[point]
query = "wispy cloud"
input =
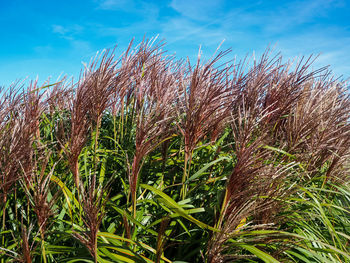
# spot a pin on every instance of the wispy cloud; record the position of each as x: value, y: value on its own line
x: 75, y: 36
x: 114, y: 4
x: 59, y: 29
x: 68, y: 31
x: 295, y: 27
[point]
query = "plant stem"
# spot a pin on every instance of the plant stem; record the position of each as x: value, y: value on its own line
x: 121, y: 123
x: 187, y: 167
x: 43, y: 246
x: 222, y: 210
x: 95, y: 256
x: 3, y: 225
x: 184, y: 176
x: 114, y: 132
x: 95, y: 151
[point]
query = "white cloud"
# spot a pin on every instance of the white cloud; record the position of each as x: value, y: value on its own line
x: 73, y: 34
x: 295, y: 26
x: 115, y: 4
x: 329, y: 44
x: 59, y: 29
x: 69, y: 31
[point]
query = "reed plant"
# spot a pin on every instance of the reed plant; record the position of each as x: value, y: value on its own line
x: 146, y: 158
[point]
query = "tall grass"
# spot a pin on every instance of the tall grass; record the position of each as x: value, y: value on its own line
x: 151, y: 159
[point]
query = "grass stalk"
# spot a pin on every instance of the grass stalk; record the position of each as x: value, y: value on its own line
x: 43, y: 251
x: 186, y: 173
x: 3, y: 226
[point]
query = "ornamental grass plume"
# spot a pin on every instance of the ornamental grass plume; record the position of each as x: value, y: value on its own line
x: 124, y: 74
x: 20, y: 127
x: 202, y: 104
x: 8, y: 127
x: 93, y: 203
x: 57, y: 96
x: 40, y: 189
x: 318, y: 128
x: 154, y: 97
x: 26, y: 149
x: 251, y: 177
x: 33, y: 106
x: 92, y: 96
x: 58, y: 99
x: 103, y: 88
x: 270, y: 97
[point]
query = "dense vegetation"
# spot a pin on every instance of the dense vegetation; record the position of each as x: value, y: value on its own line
x: 150, y: 159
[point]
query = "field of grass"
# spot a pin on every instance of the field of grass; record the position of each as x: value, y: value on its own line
x: 147, y: 158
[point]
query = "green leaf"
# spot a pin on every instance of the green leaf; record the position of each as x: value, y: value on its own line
x: 67, y: 193
x: 259, y: 253
x: 170, y: 203
x: 143, y: 245
x: 102, y: 171
x: 204, y: 168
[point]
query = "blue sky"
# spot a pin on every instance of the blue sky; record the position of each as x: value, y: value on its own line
x: 49, y: 38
